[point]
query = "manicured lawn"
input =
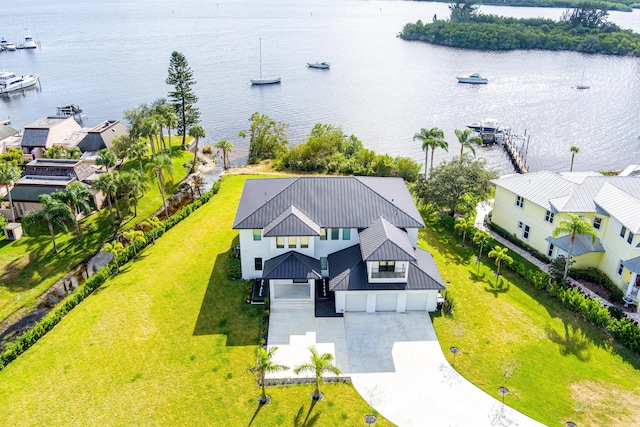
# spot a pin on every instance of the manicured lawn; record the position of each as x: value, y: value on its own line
x: 166, y: 342
x: 28, y: 266
x: 565, y: 368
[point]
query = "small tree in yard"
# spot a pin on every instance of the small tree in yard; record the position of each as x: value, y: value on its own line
x: 78, y: 197
x: 134, y: 236
x: 152, y: 223
x: 500, y: 254
x: 9, y: 173
x: 196, y: 132
x: 116, y: 248
x: 318, y: 365
x: 55, y: 213
x: 575, y: 226
x: 182, y: 97
x: 265, y: 365
x: 481, y: 238
x: 463, y: 225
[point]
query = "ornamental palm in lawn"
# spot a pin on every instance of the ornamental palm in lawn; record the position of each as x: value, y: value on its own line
x: 106, y: 158
x: 500, y: 254
x: 158, y: 168
x: 139, y: 151
x: 319, y: 364
x: 107, y: 184
x: 133, y: 237
x: 226, y: 147
x: 481, y: 238
x: 8, y: 174
x: 153, y: 223
x: 78, y: 197
x: 462, y: 226
x: 149, y: 129
x: 574, y: 150
x: 116, y: 248
x: 575, y: 226
x: 196, y: 132
x: 432, y: 138
x: 54, y: 212
x: 467, y: 140
x: 265, y: 365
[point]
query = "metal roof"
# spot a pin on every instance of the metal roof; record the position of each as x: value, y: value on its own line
x: 292, y: 265
x: 536, y: 187
x: 633, y: 264
x: 30, y: 193
x: 291, y: 222
x: 330, y: 202
x: 582, y: 245
x: 348, y: 272
x: 382, y: 241
x: 621, y: 205
x: 102, y: 135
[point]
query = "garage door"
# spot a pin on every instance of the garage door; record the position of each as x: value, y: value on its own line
x: 356, y: 302
x: 386, y: 302
x: 416, y: 302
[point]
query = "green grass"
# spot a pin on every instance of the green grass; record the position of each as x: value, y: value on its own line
x: 28, y: 266
x: 566, y: 368
x: 166, y: 342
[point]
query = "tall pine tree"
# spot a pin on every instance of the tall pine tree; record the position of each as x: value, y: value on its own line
x: 182, y: 96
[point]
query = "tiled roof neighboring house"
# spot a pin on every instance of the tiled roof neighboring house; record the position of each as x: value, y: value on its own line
x: 352, y: 202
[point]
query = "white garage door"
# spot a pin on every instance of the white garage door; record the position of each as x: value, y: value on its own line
x: 386, y: 302
x: 416, y: 302
x: 356, y: 302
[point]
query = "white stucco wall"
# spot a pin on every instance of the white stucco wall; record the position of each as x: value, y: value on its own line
x: 371, y: 297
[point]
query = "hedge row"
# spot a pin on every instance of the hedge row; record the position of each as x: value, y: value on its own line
x: 594, y: 275
x: 27, y: 339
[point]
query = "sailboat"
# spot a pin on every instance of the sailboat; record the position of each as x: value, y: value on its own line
x: 264, y: 80
x: 582, y: 85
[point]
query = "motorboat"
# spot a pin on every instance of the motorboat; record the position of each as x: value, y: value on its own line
x: 29, y: 42
x: 486, y: 126
x: 264, y: 80
x: 473, y: 78
x: 5, y: 45
x: 321, y: 65
x: 10, y: 82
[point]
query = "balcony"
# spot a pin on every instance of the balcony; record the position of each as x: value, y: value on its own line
x: 400, y: 273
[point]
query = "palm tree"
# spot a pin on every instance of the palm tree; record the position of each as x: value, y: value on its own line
x: 226, y: 147
x: 167, y: 117
x: 153, y: 223
x: 157, y: 168
x: 134, y: 236
x: 574, y: 150
x: 481, y: 238
x: 149, y: 129
x: 265, y: 365
x: 138, y: 150
x: 8, y: 174
x: 423, y: 136
x: 106, y: 158
x: 319, y: 364
x: 466, y: 139
x: 500, y: 254
x: 575, y: 226
x: 432, y: 138
x: 107, y: 184
x: 462, y: 226
x: 196, y: 132
x: 78, y: 197
x: 137, y: 185
x: 74, y: 153
x: 54, y: 212
x: 116, y: 248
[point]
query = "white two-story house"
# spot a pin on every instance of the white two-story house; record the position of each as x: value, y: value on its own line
x: 355, y: 235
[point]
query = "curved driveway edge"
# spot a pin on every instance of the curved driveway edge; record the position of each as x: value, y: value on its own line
x: 397, y: 365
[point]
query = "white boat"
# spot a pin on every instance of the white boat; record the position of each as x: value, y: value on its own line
x: 264, y: 80
x: 473, y: 78
x: 10, y: 82
x: 321, y: 65
x: 5, y: 45
x: 582, y: 85
x: 29, y: 42
x: 486, y: 126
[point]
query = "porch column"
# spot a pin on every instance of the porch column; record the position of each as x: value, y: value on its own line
x: 632, y: 283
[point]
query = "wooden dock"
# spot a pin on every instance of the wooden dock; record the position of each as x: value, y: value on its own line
x: 515, y: 155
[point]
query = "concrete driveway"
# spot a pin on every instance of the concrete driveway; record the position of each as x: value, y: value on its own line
x: 395, y: 362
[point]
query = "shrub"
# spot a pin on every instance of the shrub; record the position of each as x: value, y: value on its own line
x: 207, y: 149
x: 616, y: 312
x: 510, y: 237
x: 594, y: 275
x: 234, y: 267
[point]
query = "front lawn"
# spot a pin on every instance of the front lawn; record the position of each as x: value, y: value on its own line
x: 565, y: 369
x: 166, y: 342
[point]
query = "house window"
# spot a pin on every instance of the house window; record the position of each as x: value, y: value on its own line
x: 550, y: 251
x: 323, y: 234
x: 300, y: 281
x: 520, y: 225
x: 346, y: 234
x: 257, y: 234
x: 323, y: 263
x: 280, y: 242
x: 623, y: 231
x: 548, y: 217
x: 335, y: 233
x: 257, y: 262
x: 597, y: 223
x: 304, y: 242
x: 620, y: 268
x: 387, y: 266
x: 525, y: 232
x: 292, y: 241
x: 630, y: 237
x: 519, y: 201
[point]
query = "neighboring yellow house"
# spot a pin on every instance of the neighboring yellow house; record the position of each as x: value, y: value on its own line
x: 530, y: 206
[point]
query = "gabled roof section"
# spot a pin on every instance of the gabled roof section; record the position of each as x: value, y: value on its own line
x: 292, y: 265
x: 6, y: 131
x: 46, y: 131
x: 621, y: 205
x: 582, y: 245
x: 102, y: 135
x: 536, y: 187
x: 633, y: 264
x: 383, y: 241
x: 291, y: 222
x: 331, y: 202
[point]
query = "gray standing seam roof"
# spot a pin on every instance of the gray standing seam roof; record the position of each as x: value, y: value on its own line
x: 633, y: 264
x: 382, y: 241
x: 291, y: 222
x: 292, y: 265
x: 581, y: 246
x: 330, y: 202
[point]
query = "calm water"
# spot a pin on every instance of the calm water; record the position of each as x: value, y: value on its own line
x: 109, y: 56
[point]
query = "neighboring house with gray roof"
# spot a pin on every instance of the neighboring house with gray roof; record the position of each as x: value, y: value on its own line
x: 101, y: 136
x: 45, y: 133
x: 9, y: 137
x: 349, y: 238
x: 530, y: 206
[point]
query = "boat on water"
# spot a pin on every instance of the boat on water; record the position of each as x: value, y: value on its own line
x: 582, y: 85
x: 10, y: 82
x: 264, y: 80
x: 29, y: 42
x: 321, y: 65
x: 486, y: 126
x: 473, y: 78
x: 5, y: 45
